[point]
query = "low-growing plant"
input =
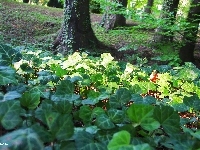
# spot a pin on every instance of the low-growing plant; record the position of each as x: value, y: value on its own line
x: 84, y: 102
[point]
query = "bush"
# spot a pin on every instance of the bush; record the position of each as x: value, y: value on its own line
x: 95, y: 7
x: 55, y: 3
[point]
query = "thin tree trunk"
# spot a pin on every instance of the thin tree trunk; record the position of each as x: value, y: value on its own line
x: 76, y: 32
x: 110, y: 21
x: 190, y: 34
x: 169, y: 11
x: 149, y: 6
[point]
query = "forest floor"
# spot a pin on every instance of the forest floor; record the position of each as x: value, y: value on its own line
x: 22, y: 24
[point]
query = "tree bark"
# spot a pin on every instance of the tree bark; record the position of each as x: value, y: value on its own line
x: 110, y: 21
x: 148, y: 7
x: 76, y: 32
x: 190, y: 34
x: 169, y: 11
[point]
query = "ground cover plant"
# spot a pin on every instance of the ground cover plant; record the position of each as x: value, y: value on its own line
x: 94, y: 102
x: 81, y: 101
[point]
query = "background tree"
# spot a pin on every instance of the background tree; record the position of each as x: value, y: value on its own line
x: 168, y: 15
x: 148, y: 7
x: 190, y: 33
x: 110, y: 20
x: 76, y: 31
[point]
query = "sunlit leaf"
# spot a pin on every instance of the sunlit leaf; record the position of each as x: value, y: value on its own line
x: 121, y: 138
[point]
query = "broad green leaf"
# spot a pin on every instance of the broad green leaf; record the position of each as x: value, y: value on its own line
x: 92, y: 129
x: 150, y: 124
x: 133, y: 147
x: 168, y: 118
x: 26, y: 67
x: 69, y: 145
x: 140, y: 112
x: 68, y: 97
x: 137, y: 98
x: 83, y: 138
x: 10, y: 114
x: 104, y: 136
x: 1, y: 96
x: 85, y: 113
x: 22, y: 139
x: 121, y: 138
x: 116, y: 116
x: 20, y: 88
x: 46, y: 76
x: 65, y: 87
x: 8, y: 55
x: 144, y: 146
x: 47, y: 116
x: 97, y: 111
x: 42, y: 132
x: 189, y: 72
x: 59, y: 71
x: 120, y: 98
x: 96, y: 77
x: 11, y: 95
x: 44, y: 93
x: 7, y: 75
x: 93, y: 98
x: 149, y: 100
x: 94, y: 146
x: 63, y: 107
x: 30, y: 100
x: 65, y: 91
x: 180, y: 141
x: 180, y: 107
x: 104, y: 122
x: 63, y: 127
x: 193, y: 102
x: 195, y: 134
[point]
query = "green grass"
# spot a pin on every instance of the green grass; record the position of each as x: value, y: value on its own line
x: 21, y: 23
x: 26, y: 23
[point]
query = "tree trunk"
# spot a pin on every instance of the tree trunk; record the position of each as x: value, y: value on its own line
x: 110, y: 21
x: 148, y: 7
x: 190, y: 34
x: 169, y: 11
x: 76, y: 32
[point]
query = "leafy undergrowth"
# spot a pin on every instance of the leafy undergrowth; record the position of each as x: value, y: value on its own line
x: 85, y: 102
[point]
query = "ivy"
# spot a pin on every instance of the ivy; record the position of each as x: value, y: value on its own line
x: 84, y: 102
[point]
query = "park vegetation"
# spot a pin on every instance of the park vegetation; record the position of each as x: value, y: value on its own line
x: 99, y: 74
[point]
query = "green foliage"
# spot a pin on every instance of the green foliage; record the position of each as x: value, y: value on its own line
x: 85, y: 102
x: 21, y: 139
